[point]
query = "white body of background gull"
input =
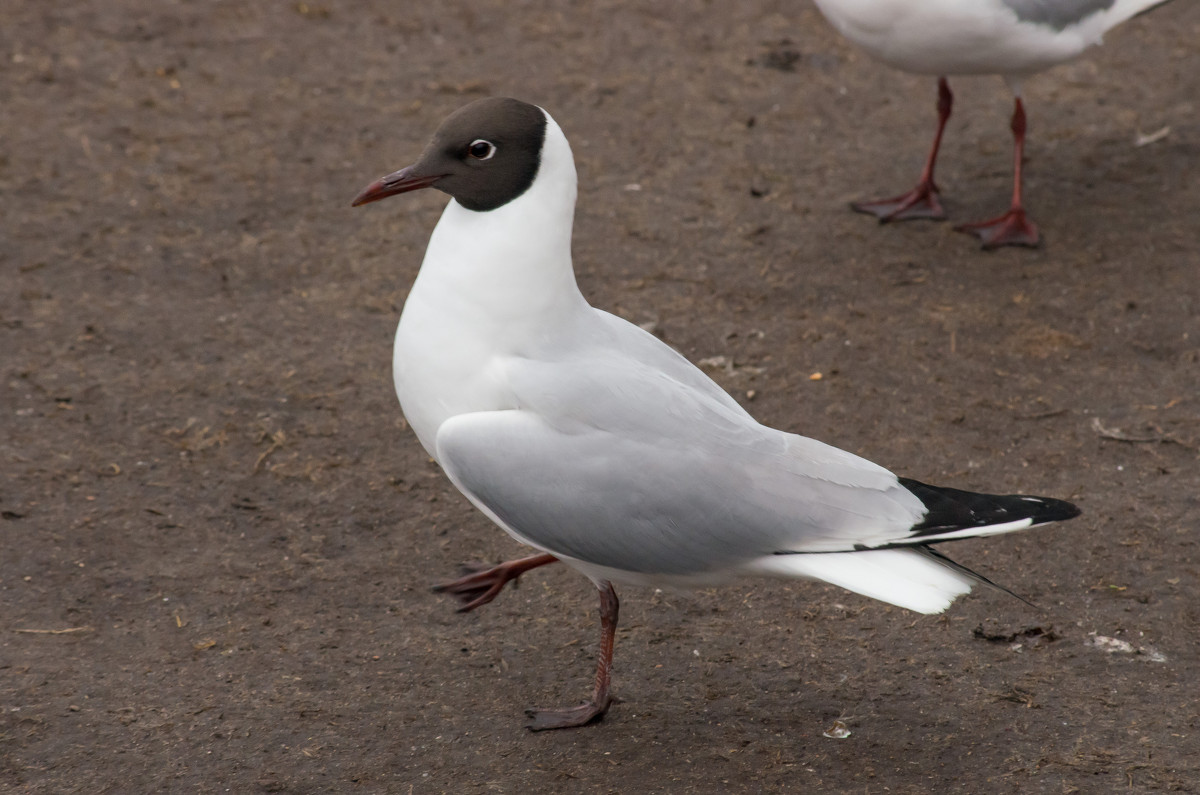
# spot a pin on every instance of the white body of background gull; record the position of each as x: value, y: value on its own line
x: 1011, y: 38
x: 592, y: 441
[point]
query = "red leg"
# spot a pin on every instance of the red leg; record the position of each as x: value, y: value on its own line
x: 482, y: 585
x: 921, y: 201
x: 542, y: 719
x: 1013, y: 228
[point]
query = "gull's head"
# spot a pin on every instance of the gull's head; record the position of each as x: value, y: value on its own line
x: 485, y: 154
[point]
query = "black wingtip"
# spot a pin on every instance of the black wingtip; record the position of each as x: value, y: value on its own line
x: 954, y: 509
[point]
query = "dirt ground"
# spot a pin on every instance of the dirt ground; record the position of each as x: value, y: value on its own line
x: 218, y: 535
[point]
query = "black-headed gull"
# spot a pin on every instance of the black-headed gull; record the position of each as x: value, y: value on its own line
x: 592, y: 441
x: 1010, y: 38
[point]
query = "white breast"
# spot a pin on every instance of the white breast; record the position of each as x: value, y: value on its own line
x: 441, y: 367
x: 491, y: 283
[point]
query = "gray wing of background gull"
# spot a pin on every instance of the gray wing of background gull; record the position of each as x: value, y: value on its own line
x: 626, y: 456
x: 1057, y: 14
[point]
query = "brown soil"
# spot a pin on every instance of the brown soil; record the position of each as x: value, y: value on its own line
x: 218, y: 535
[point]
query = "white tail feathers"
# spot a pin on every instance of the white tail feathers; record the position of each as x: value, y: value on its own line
x: 902, y: 577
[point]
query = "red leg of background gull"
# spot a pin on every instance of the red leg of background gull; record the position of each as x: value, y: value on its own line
x: 1013, y: 228
x: 482, y: 585
x: 921, y: 201
x: 542, y: 719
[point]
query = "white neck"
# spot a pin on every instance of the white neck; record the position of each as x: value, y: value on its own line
x: 493, y: 284
x: 512, y: 265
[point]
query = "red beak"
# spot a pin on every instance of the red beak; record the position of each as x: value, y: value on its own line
x: 401, y: 181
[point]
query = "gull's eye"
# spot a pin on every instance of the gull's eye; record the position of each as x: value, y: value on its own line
x: 481, y: 149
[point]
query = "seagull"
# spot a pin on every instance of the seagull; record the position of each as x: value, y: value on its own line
x: 1011, y: 38
x: 592, y: 441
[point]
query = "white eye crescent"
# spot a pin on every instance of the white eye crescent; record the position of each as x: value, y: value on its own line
x: 481, y: 149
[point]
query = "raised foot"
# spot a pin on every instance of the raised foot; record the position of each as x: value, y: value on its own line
x: 1011, y: 229
x: 478, y: 586
x: 919, y: 203
x: 569, y: 718
x: 481, y: 583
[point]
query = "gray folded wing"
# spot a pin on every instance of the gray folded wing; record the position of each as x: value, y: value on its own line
x: 1057, y: 14
x: 614, y: 462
